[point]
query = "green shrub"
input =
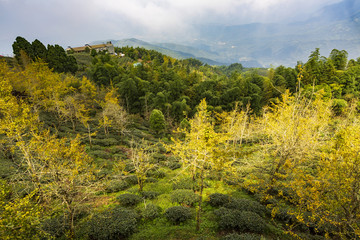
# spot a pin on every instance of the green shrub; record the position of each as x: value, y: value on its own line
x: 243, y: 236
x: 242, y: 221
x: 283, y: 215
x: 150, y: 212
x: 7, y: 168
x: 100, y: 154
x: 116, y: 186
x: 96, y: 147
x: 112, y: 224
x: 218, y: 199
x: 338, y: 106
x: 158, y: 157
x: 55, y: 226
x: 151, y: 180
x: 185, y: 183
x: 156, y: 174
x: 157, y: 121
x: 184, y: 197
x: 131, y: 179
x: 178, y: 214
x: 174, y: 165
x: 105, y: 142
x: 161, y: 148
x: 116, y: 149
x: 149, y: 194
x: 243, y: 204
x: 128, y: 199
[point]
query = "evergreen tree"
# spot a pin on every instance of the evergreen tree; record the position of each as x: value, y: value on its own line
x: 157, y: 121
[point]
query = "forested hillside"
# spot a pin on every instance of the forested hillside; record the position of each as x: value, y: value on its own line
x: 145, y: 146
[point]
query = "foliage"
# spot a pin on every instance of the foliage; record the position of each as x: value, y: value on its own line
x: 54, y: 226
x: 178, y: 214
x: 141, y: 156
x: 184, y: 197
x: 201, y: 153
x: 243, y: 236
x: 338, y: 106
x: 116, y: 186
x: 149, y: 194
x: 112, y: 224
x: 19, y: 216
x: 55, y: 55
x: 243, y: 204
x: 218, y: 199
x: 298, y: 154
x: 150, y: 211
x: 241, y: 221
x: 157, y: 121
x: 128, y: 199
x: 183, y: 183
x: 113, y: 115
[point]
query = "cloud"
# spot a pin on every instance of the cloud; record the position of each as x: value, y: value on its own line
x: 79, y: 21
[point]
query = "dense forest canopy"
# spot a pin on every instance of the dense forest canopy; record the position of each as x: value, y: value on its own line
x: 141, y: 145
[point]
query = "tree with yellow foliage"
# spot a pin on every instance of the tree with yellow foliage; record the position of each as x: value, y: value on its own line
x: 59, y: 169
x: 200, y: 151
x: 113, y: 114
x: 20, y: 217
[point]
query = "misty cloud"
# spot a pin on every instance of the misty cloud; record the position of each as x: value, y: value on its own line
x: 80, y: 21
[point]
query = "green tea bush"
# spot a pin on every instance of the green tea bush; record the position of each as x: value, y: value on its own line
x: 243, y: 236
x: 96, y: 147
x: 116, y: 149
x: 241, y: 221
x: 243, y: 204
x: 151, y: 180
x: 174, y: 165
x: 218, y: 199
x: 131, y: 179
x: 178, y: 214
x: 161, y: 148
x: 112, y: 224
x: 184, y: 197
x: 156, y: 174
x: 158, y: 157
x: 150, y: 212
x: 100, y: 154
x: 55, y: 226
x: 105, y: 142
x: 116, y: 186
x: 128, y: 199
x: 149, y: 194
x: 283, y: 215
x: 185, y: 183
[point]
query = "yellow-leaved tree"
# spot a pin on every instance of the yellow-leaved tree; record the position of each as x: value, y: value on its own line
x: 293, y: 131
x: 200, y: 152
x: 113, y: 114
x: 20, y: 217
x: 59, y: 170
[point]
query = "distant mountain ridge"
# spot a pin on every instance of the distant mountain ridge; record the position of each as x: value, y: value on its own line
x: 261, y: 45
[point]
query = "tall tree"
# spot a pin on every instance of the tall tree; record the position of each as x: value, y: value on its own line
x: 157, y: 121
x: 200, y: 151
x: 339, y: 59
x: 22, y: 47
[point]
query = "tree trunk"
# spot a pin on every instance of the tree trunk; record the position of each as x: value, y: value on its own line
x: 198, y: 213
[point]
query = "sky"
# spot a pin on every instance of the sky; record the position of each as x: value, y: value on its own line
x: 77, y: 22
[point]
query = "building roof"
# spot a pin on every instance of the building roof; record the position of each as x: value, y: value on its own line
x: 79, y: 49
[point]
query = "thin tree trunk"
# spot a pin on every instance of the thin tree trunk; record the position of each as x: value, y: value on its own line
x: 198, y: 214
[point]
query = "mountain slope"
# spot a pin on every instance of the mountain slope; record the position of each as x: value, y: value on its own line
x: 259, y: 44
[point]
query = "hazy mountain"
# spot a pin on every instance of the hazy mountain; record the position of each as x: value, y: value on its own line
x: 334, y: 26
x: 258, y: 44
x: 171, y: 49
